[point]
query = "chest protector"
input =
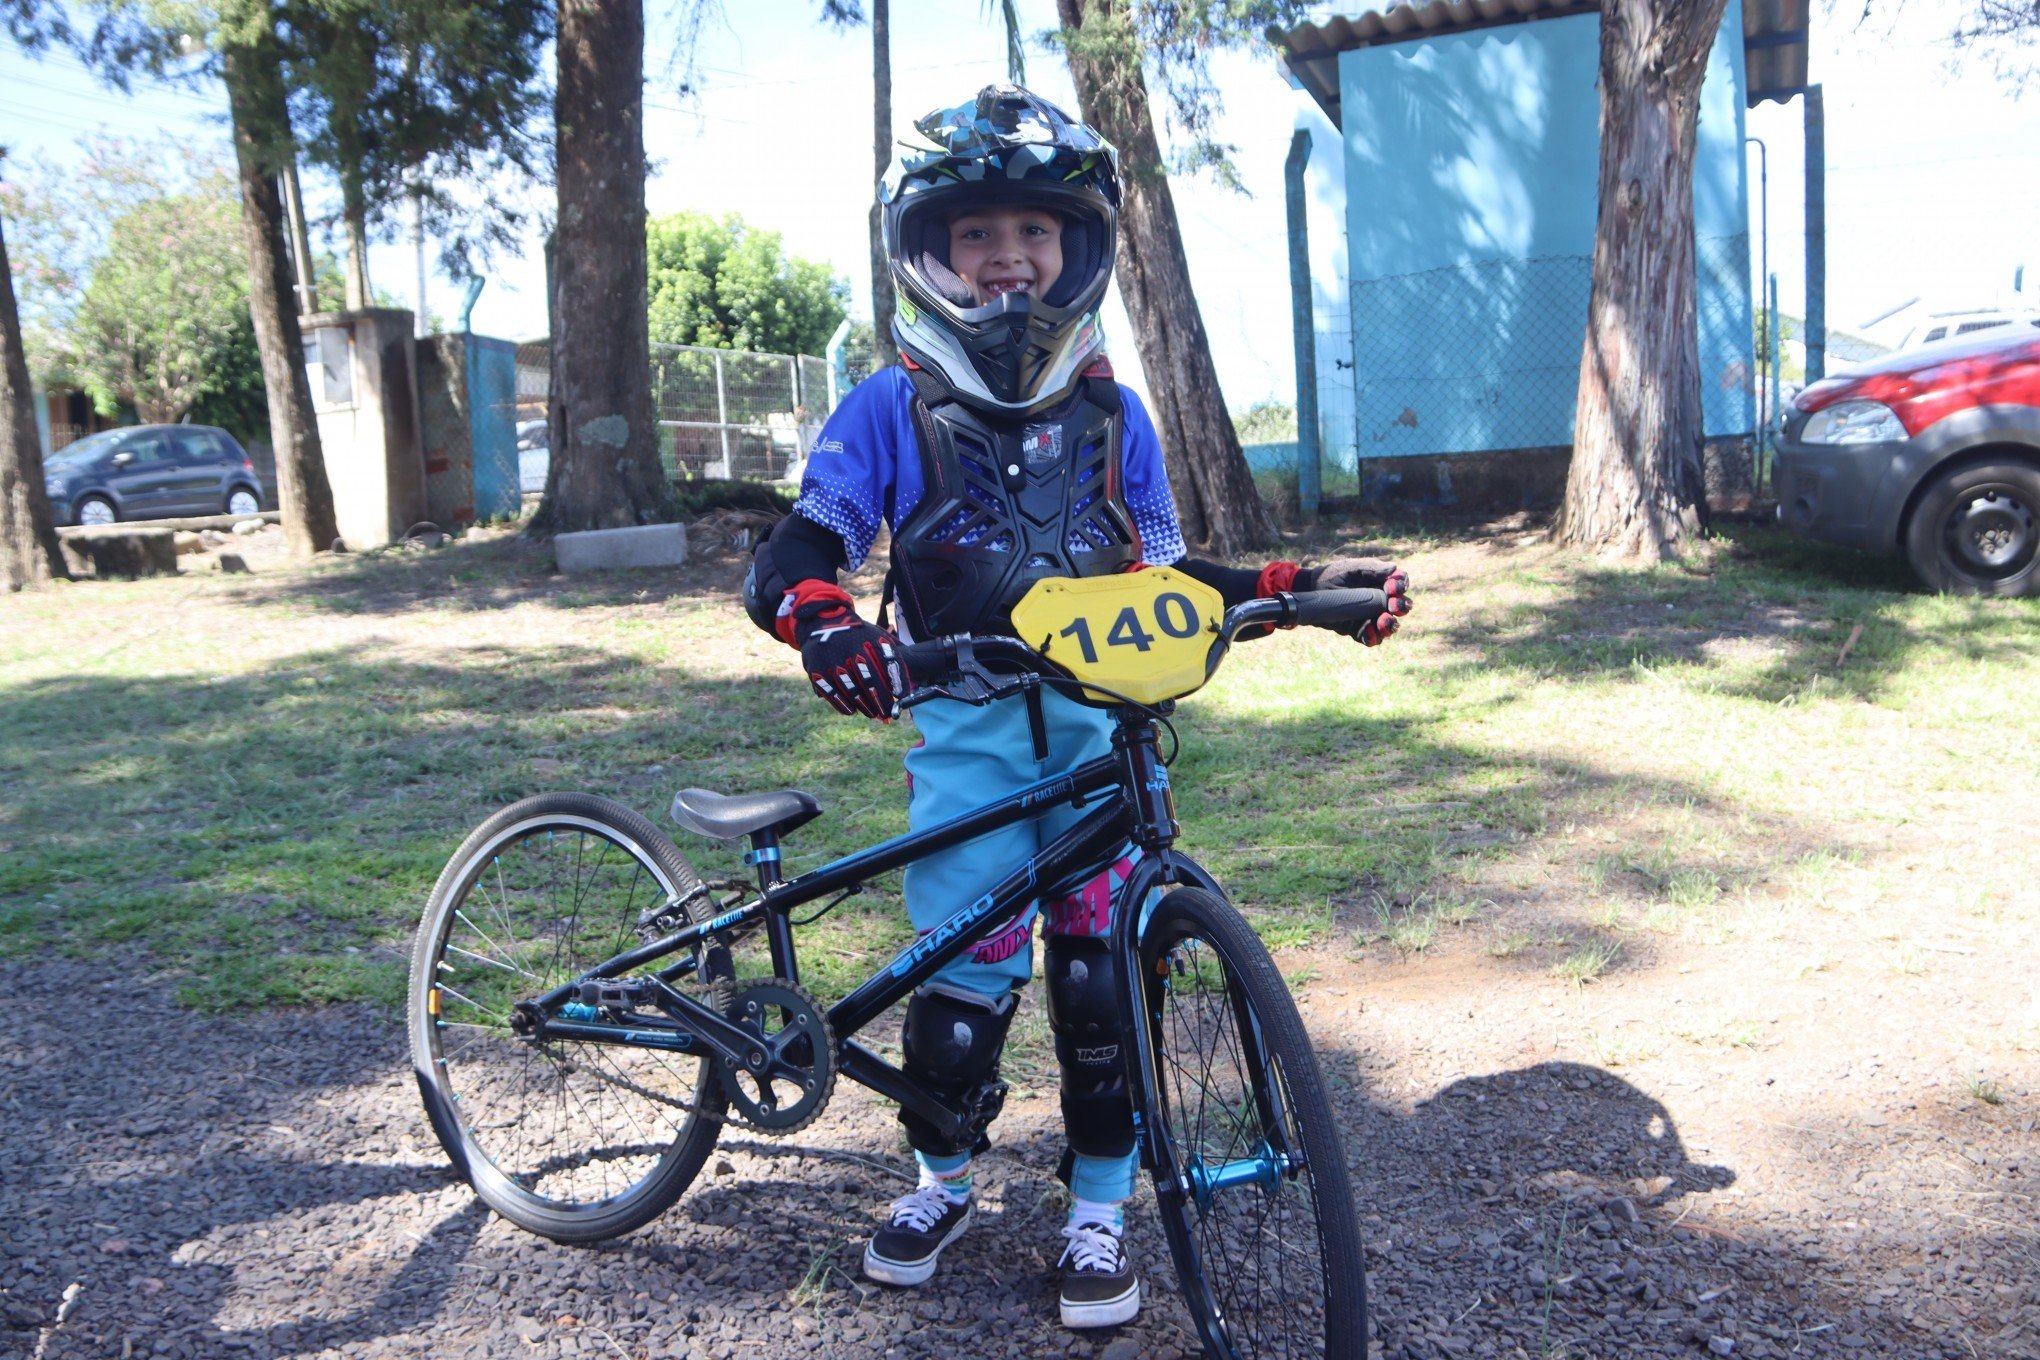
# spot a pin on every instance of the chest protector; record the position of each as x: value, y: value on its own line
x: 1006, y: 503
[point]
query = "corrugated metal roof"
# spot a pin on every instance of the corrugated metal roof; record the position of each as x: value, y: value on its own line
x: 1774, y: 48
x: 1774, y: 38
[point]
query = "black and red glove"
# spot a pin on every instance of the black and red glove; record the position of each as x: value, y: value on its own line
x: 1346, y: 573
x: 854, y: 665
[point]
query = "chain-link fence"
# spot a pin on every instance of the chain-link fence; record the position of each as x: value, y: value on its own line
x: 736, y: 414
x: 1485, y: 358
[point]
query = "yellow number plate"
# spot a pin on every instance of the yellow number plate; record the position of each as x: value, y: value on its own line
x: 1145, y: 634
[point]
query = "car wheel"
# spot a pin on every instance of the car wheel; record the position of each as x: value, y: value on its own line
x: 242, y: 501
x: 1977, y: 531
x: 97, y: 510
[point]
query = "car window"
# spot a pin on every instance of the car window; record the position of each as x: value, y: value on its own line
x: 150, y: 447
x: 78, y: 450
x: 197, y: 448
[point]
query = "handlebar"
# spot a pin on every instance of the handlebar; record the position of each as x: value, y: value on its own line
x: 991, y: 667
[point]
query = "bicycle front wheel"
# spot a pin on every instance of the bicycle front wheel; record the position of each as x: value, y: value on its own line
x: 1252, y: 1187
x: 576, y: 1141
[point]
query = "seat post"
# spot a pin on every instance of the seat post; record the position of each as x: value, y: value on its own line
x: 764, y: 857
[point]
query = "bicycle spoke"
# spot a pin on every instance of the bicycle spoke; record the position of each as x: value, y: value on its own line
x: 1250, y: 1233
x: 569, y: 1127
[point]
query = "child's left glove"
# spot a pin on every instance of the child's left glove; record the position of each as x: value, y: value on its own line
x: 854, y: 665
x: 1347, y: 573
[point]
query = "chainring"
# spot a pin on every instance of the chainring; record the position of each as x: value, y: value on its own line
x: 794, y: 1052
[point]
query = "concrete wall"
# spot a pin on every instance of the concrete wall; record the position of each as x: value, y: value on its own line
x: 1469, y: 203
x: 363, y: 369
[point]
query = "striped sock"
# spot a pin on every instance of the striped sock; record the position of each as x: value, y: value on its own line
x: 955, y: 1182
x: 1099, y: 1214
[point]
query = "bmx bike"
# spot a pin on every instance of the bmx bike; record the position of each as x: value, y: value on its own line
x: 580, y: 1034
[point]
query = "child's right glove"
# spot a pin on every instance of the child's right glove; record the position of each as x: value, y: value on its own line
x: 854, y: 665
x: 1346, y: 573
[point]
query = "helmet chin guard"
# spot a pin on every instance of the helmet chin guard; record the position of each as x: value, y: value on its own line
x: 1015, y: 352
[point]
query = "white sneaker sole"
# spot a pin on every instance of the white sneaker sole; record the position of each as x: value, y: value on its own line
x: 1103, y: 1313
x: 888, y: 1271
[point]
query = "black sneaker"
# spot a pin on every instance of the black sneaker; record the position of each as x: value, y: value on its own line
x: 1098, y: 1288
x: 922, y: 1224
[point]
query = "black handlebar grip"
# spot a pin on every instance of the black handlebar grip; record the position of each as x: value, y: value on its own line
x: 1330, y: 608
x: 926, y: 662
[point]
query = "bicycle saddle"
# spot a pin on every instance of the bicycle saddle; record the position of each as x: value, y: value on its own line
x: 724, y: 818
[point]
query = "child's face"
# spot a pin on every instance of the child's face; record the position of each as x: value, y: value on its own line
x: 1006, y: 250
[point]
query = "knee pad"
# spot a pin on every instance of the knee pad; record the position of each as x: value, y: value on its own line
x: 951, y: 1043
x: 1083, y: 1013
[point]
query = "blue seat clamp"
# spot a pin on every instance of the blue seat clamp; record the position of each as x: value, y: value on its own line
x: 754, y: 858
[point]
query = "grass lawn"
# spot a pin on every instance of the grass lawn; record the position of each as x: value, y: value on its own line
x: 246, y: 784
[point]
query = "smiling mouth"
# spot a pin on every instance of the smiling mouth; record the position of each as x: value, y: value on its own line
x: 1000, y: 286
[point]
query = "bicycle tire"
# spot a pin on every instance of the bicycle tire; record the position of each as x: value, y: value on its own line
x: 1252, y: 1186
x: 577, y: 1142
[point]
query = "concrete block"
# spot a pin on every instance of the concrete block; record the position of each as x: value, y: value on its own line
x: 120, y: 551
x: 645, y: 545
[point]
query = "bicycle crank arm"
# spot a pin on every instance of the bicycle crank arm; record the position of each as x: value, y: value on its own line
x: 695, y: 1028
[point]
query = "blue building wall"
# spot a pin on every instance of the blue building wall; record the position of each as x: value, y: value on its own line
x: 492, y: 417
x: 1471, y: 166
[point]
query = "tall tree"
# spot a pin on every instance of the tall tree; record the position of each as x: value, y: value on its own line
x: 843, y: 14
x: 239, y: 41
x: 251, y: 63
x: 883, y: 350
x: 1215, y: 497
x: 605, y: 469
x: 159, y: 324
x: 28, y: 542
x: 400, y: 98
x: 1635, y: 487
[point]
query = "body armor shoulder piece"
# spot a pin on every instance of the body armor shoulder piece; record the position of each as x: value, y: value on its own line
x: 1006, y: 502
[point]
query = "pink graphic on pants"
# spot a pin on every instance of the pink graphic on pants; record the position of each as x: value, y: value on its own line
x: 1007, y: 942
x: 1088, y: 910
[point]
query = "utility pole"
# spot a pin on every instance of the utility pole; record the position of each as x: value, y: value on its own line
x: 300, y: 242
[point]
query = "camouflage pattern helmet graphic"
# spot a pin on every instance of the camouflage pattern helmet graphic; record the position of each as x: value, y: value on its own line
x: 1015, y: 352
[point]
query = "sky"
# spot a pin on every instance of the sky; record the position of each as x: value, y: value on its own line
x: 1933, y: 185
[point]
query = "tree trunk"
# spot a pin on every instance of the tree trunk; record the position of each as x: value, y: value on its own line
x: 1635, y: 488
x: 605, y: 469
x: 883, y: 350
x: 28, y: 544
x: 254, y: 79
x: 354, y: 214
x: 1216, y: 502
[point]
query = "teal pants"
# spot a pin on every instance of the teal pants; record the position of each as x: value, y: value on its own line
x: 972, y: 756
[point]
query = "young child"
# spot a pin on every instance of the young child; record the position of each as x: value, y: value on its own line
x: 1000, y: 451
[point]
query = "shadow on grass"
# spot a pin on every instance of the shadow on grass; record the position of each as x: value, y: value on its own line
x: 272, y: 837
x: 1773, y: 615
x: 485, y: 574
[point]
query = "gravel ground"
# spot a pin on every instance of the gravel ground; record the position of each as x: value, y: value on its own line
x: 265, y: 1186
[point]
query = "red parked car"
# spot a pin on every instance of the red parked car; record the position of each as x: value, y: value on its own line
x: 1934, y: 452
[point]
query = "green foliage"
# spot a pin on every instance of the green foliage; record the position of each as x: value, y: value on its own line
x: 401, y: 97
x: 59, y: 217
x: 1266, y: 422
x: 726, y: 284
x: 1170, y: 43
x: 1788, y: 331
x: 166, y: 312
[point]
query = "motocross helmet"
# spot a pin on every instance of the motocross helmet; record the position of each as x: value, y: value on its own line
x: 1017, y: 351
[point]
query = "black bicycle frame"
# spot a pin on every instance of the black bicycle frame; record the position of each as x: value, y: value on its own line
x: 1134, y: 805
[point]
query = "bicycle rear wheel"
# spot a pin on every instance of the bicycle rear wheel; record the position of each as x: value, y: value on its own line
x: 1252, y: 1191
x: 572, y: 1140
